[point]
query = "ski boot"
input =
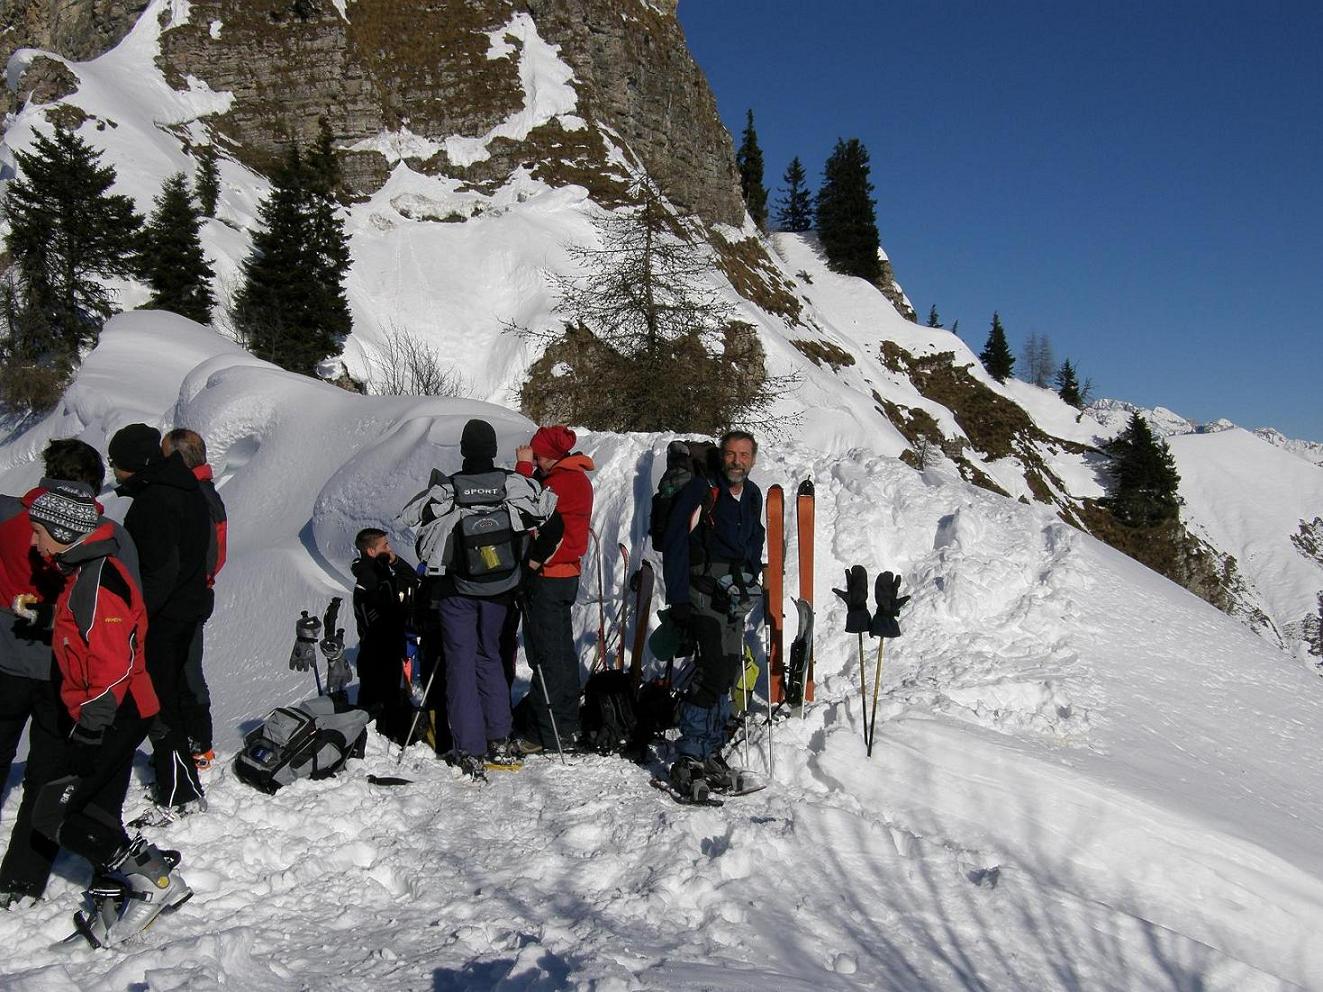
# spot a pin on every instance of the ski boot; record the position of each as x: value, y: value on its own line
x: 130, y: 893
x: 688, y: 778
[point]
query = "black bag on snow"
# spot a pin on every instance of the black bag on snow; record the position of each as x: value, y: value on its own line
x: 608, y: 719
x: 309, y: 740
x: 684, y: 460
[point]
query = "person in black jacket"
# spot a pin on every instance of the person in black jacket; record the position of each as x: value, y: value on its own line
x: 171, y: 526
x: 384, y: 587
x: 711, y: 561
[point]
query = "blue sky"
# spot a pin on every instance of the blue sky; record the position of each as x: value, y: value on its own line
x: 1141, y: 183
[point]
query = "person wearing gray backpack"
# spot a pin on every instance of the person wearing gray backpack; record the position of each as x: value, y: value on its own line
x: 473, y: 531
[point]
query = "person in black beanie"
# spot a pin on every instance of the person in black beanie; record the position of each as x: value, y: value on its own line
x: 171, y: 526
x: 473, y: 533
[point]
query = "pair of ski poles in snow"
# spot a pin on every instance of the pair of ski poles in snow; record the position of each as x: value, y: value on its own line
x: 537, y: 670
x: 881, y: 623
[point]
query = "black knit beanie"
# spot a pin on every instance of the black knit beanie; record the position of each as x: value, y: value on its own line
x: 478, y: 440
x: 135, y: 447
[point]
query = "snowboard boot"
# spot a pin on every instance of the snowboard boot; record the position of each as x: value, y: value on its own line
x: 132, y: 891
x: 688, y: 778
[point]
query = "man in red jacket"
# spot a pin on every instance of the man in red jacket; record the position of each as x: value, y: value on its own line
x: 29, y: 683
x: 553, y: 585
x: 100, y: 624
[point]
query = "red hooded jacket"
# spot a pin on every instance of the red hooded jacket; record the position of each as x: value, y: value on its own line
x: 574, y: 502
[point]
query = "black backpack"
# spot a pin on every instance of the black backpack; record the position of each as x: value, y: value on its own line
x: 684, y: 460
x: 608, y: 719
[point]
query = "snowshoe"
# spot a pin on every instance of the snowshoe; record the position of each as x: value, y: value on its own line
x: 503, y: 756
x: 468, y: 765
x: 723, y: 780
x: 160, y: 815
x: 705, y: 798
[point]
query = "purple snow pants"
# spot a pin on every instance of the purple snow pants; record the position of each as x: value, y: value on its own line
x: 477, y: 694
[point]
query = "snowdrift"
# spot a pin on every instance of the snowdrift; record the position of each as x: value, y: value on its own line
x: 1084, y: 776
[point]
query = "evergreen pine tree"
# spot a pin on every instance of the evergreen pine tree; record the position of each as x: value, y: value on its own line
x: 291, y: 309
x: 172, y: 260
x: 206, y: 182
x: 749, y: 160
x: 325, y: 176
x: 933, y: 319
x: 1068, y: 387
x: 1144, y: 477
x: 996, y: 354
x: 796, y: 210
x: 847, y: 226
x: 67, y: 232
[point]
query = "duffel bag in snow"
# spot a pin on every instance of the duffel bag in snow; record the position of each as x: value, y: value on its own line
x: 310, y: 740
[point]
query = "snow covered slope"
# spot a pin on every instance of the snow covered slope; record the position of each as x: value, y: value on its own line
x: 1084, y: 776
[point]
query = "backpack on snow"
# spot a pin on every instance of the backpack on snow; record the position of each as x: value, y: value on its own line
x: 684, y: 460
x: 309, y: 740
x: 483, y: 552
x: 608, y: 719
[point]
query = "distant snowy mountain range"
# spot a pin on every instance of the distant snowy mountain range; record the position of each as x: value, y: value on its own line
x: 1113, y: 415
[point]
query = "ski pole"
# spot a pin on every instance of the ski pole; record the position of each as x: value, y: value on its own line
x: 877, y: 681
x: 427, y: 692
x: 546, y: 698
x: 317, y: 678
x: 863, y: 690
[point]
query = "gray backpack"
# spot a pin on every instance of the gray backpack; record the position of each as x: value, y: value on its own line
x: 310, y: 740
x: 485, y: 549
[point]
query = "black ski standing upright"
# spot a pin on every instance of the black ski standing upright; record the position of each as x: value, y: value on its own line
x: 642, y: 584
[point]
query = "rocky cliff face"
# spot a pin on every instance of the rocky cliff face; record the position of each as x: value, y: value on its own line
x: 76, y: 29
x: 424, y: 67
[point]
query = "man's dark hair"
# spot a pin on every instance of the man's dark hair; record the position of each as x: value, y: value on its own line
x: 737, y: 436
x: 188, y: 443
x: 73, y: 460
x: 367, y: 537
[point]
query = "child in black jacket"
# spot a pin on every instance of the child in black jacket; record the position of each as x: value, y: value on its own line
x: 384, y: 586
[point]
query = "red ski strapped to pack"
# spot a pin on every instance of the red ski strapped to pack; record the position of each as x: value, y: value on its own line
x: 775, y: 584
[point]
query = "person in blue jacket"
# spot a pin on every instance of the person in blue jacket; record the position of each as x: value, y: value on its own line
x: 711, y: 559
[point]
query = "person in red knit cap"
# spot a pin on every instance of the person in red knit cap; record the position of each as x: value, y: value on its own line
x: 552, y: 587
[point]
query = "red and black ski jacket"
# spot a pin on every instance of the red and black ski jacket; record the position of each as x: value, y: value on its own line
x: 100, y: 628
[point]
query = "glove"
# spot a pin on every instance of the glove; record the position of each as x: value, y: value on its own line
x: 681, y: 614
x: 29, y: 607
x: 888, y: 606
x: 855, y: 596
x: 307, y: 630
x: 338, y: 675
x: 84, y: 747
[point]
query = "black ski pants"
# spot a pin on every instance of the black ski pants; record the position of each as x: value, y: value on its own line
x: 168, y: 643
x: 195, y: 704
x: 549, y: 647
x: 27, y: 862
x: 85, y: 815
